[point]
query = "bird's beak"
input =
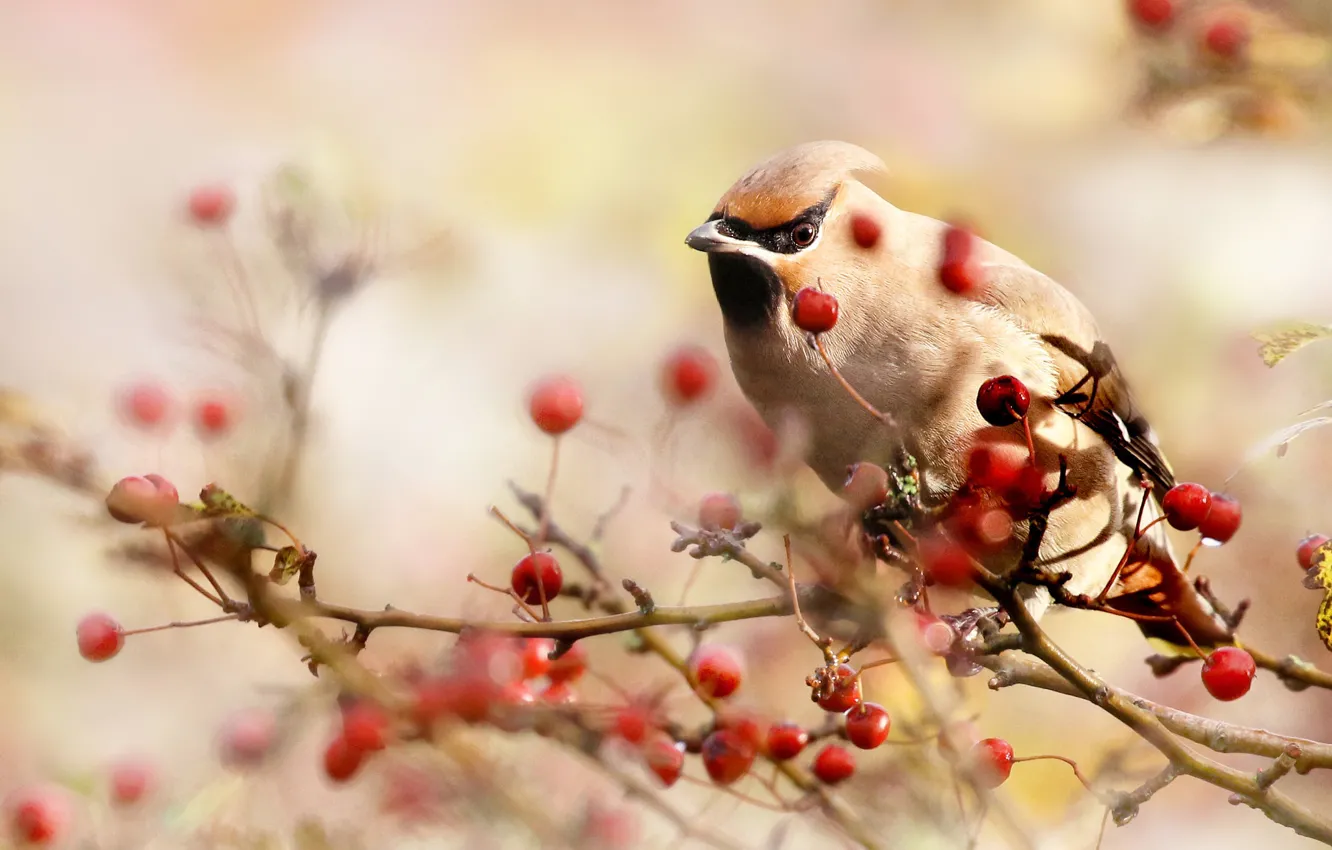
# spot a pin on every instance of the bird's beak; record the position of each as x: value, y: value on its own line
x: 708, y: 239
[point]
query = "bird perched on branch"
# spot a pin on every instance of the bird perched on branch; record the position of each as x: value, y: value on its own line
x: 917, y: 345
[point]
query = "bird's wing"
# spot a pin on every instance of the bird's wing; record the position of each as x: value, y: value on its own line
x: 1090, y: 385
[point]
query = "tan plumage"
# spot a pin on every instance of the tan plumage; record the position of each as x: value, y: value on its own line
x: 919, y: 352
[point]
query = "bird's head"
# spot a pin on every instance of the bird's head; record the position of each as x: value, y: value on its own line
x: 786, y: 225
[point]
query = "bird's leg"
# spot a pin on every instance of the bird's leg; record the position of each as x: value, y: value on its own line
x: 1231, y: 617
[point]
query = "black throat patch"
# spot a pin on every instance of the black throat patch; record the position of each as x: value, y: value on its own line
x: 747, y: 289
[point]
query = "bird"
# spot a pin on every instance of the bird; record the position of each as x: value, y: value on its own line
x: 917, y: 351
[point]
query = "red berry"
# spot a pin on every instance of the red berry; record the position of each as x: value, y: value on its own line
x: 556, y: 404
x: 100, y: 637
x: 716, y: 670
x: 727, y: 756
x: 536, y: 657
x: 945, y: 562
x: 866, y: 486
x: 1153, y: 14
x: 536, y: 575
x: 990, y: 761
x: 786, y: 740
x: 632, y: 722
x: 342, y: 760
x: 149, y: 499
x: 248, y: 737
x: 1003, y: 400
x: 213, y: 417
x: 665, y: 758
x: 1186, y: 505
x: 834, y: 764
x: 935, y: 635
x: 146, y: 406
x: 844, y: 693
x: 1228, y: 673
x: 130, y: 781
x: 211, y: 205
x: 1226, y: 37
x: 365, y: 726
x: 1304, y: 554
x: 958, y: 269
x: 865, y: 229
x: 37, y: 817
x: 992, y: 469
x: 1222, y: 520
x: 749, y: 726
x: 689, y: 374
x: 569, y: 666
x: 814, y: 311
x: 559, y: 693
x: 867, y: 725
x: 717, y: 511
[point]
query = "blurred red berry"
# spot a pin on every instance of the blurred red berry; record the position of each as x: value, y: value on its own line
x: 1003, y: 400
x: 213, y: 417
x: 248, y: 737
x: 867, y: 725
x: 814, y: 311
x: 210, y: 206
x: 569, y: 666
x: 100, y: 637
x: 1222, y: 520
x: 1228, y: 673
x: 991, y: 761
x: 536, y: 657
x: 716, y: 669
x: 1304, y: 553
x: 632, y: 722
x: 536, y: 575
x: 991, y: 468
x: 1152, y: 14
x: 1186, y: 505
x: 665, y: 758
x: 958, y: 269
x: 718, y: 511
x: 786, y: 741
x: 751, y: 727
x: 845, y: 691
x: 365, y: 726
x: 834, y: 764
x: 689, y: 374
x: 866, y: 230
x: 559, y: 693
x: 148, y: 499
x: 935, y: 635
x: 37, y: 817
x: 866, y: 486
x: 945, y: 562
x: 146, y: 406
x: 342, y: 760
x: 1226, y: 37
x: 130, y: 781
x: 727, y: 756
x: 556, y: 404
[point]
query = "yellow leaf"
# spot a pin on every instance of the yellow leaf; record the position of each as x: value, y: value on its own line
x: 1280, y: 343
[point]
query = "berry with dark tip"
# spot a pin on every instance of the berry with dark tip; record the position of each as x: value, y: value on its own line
x: 786, y: 740
x: 727, y: 756
x: 1003, y: 401
x: 1228, y: 673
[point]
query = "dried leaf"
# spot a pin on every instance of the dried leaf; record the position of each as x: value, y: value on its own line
x: 218, y: 502
x: 288, y: 562
x: 1280, y: 343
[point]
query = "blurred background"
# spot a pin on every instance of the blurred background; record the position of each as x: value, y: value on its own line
x: 518, y: 179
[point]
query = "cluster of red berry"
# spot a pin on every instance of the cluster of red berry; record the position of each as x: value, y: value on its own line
x: 1222, y: 34
x: 151, y: 407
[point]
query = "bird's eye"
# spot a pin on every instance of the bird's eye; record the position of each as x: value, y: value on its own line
x: 803, y: 234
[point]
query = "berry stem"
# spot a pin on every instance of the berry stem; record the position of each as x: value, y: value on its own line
x: 508, y: 591
x: 175, y: 566
x: 846, y: 385
x: 178, y: 624
x: 1031, y: 446
x: 822, y: 643
x: 527, y: 538
x: 543, y: 525
x: 881, y: 662
x: 1068, y: 761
